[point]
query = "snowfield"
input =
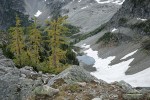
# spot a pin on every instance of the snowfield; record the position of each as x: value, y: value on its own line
x: 116, y: 72
x: 119, y: 2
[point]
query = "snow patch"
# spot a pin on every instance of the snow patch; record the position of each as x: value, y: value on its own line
x: 38, y: 13
x: 85, y: 46
x: 74, y: 51
x: 79, y: 0
x: 141, y: 19
x: 111, y: 73
x: 118, y: 2
x: 84, y: 7
x: 113, y: 30
x: 128, y: 55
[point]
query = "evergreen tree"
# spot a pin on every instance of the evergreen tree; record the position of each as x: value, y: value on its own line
x: 34, y: 46
x: 17, y: 42
x: 56, y: 38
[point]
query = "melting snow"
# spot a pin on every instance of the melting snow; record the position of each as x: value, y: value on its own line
x: 38, y: 13
x: 130, y: 54
x: 85, y: 46
x: 84, y: 7
x: 79, y: 0
x: 113, y: 30
x: 141, y: 19
x: 119, y: 2
x: 116, y: 72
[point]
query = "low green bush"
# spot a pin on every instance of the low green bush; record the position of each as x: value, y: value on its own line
x: 123, y: 21
x: 144, y: 26
x: 107, y: 38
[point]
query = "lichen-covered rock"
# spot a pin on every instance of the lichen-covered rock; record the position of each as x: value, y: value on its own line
x: 73, y: 74
x: 14, y: 86
x: 45, y: 90
x: 17, y: 84
x: 133, y: 97
x: 125, y: 86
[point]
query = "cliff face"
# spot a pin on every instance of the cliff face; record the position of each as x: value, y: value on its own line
x: 8, y: 10
x: 132, y: 9
x: 88, y: 14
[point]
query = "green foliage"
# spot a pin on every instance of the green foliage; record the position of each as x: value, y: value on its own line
x: 34, y: 47
x: 144, y: 26
x: 54, y: 70
x: 55, y: 30
x: 71, y: 30
x: 146, y: 45
x: 137, y: 2
x: 17, y: 42
x: 71, y: 57
x: 4, y: 38
x: 80, y: 37
x: 122, y: 21
x: 45, y: 50
x: 108, y: 38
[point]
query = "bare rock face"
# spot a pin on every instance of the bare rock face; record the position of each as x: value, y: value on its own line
x: 18, y: 84
x: 131, y: 9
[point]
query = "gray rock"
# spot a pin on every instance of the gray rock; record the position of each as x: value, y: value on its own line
x: 133, y: 97
x: 125, y: 86
x: 14, y: 86
x: 73, y: 74
x: 45, y: 90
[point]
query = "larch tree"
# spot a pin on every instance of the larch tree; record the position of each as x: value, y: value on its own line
x: 56, y: 38
x: 17, y: 42
x: 34, y: 46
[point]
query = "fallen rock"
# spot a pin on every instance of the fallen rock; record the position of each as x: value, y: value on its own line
x: 74, y: 74
x: 45, y: 90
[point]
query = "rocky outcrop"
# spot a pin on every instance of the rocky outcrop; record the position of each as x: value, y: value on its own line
x: 18, y: 84
x: 129, y: 10
x: 45, y: 90
x: 73, y: 83
x: 74, y: 74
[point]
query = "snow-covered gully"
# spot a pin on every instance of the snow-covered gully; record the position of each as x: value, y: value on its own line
x: 116, y: 72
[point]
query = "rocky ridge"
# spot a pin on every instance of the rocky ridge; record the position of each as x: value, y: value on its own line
x: 73, y: 83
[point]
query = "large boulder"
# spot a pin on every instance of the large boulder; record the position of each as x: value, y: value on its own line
x: 74, y: 74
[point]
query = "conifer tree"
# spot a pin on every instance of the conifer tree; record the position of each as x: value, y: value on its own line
x: 34, y: 47
x: 55, y: 34
x: 17, y: 42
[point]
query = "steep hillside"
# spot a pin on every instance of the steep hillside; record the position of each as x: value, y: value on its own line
x: 8, y: 10
x: 90, y: 14
x: 86, y: 14
x: 124, y: 43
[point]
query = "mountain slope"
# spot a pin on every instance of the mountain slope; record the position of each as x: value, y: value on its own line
x: 8, y: 11
x: 126, y: 32
x: 86, y: 14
